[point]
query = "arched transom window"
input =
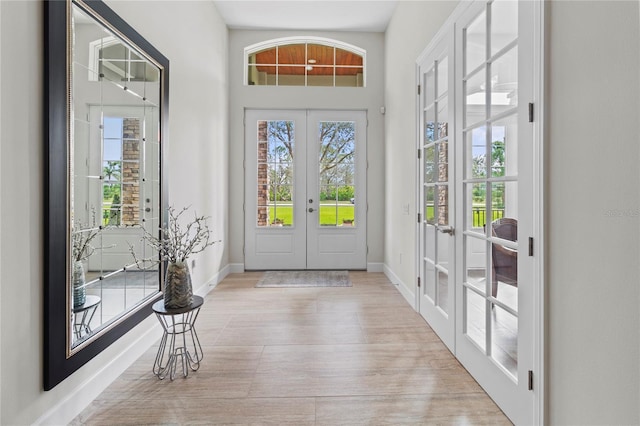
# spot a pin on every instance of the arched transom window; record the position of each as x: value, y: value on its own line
x: 305, y: 61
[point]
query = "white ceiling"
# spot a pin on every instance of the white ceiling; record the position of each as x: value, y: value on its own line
x: 327, y: 15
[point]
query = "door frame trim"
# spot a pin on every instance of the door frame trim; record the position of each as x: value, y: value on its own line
x: 539, y: 225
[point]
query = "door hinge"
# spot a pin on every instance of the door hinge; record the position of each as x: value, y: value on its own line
x: 418, y: 281
x: 530, y: 384
x: 419, y: 153
x: 419, y: 217
x: 530, y: 246
x: 418, y: 89
x: 530, y: 112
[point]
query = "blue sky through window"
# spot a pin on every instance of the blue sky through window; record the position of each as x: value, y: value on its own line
x: 479, y: 136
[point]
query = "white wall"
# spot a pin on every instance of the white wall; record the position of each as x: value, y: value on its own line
x: 196, y: 46
x: 412, y: 27
x: 21, y: 227
x: 293, y: 97
x: 593, y: 213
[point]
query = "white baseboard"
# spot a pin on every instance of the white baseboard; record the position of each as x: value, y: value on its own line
x: 407, y: 292
x: 391, y: 275
x: 80, y: 397
x: 211, y: 283
x: 375, y: 267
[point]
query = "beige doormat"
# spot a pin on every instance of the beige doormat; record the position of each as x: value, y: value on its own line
x: 305, y: 279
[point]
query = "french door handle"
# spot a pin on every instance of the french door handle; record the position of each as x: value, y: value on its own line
x: 311, y: 210
x: 445, y: 229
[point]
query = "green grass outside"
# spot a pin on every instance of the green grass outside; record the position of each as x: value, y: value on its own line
x: 345, y: 210
x: 329, y: 214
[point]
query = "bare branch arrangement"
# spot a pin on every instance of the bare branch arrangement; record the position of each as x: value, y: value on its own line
x: 81, y: 238
x: 175, y: 244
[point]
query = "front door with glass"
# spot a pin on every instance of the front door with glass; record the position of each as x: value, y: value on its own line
x: 305, y: 189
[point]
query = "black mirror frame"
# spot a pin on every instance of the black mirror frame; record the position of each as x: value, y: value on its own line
x: 59, y: 362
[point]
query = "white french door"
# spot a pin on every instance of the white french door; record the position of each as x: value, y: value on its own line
x: 305, y: 189
x: 437, y: 201
x: 275, y: 143
x: 336, y: 190
x: 476, y: 199
x: 494, y: 338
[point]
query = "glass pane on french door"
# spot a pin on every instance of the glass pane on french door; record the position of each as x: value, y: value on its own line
x: 490, y: 183
x: 336, y: 173
x: 275, y: 153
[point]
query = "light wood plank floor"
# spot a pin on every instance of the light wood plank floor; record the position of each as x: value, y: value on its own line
x: 304, y: 356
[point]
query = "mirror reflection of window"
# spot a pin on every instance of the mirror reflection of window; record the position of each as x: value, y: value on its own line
x: 112, y: 172
x: 109, y: 58
x: 121, y: 172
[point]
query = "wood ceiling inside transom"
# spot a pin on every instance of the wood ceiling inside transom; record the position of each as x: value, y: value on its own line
x: 319, y: 60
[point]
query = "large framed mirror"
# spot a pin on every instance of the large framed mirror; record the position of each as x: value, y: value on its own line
x: 107, y: 109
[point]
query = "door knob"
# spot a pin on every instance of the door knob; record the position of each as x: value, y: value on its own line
x: 446, y: 229
x: 310, y: 209
x: 310, y: 200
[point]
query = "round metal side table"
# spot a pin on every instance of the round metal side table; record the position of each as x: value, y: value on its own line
x: 180, y: 334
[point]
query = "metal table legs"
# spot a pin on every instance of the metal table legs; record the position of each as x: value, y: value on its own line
x: 183, y: 345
